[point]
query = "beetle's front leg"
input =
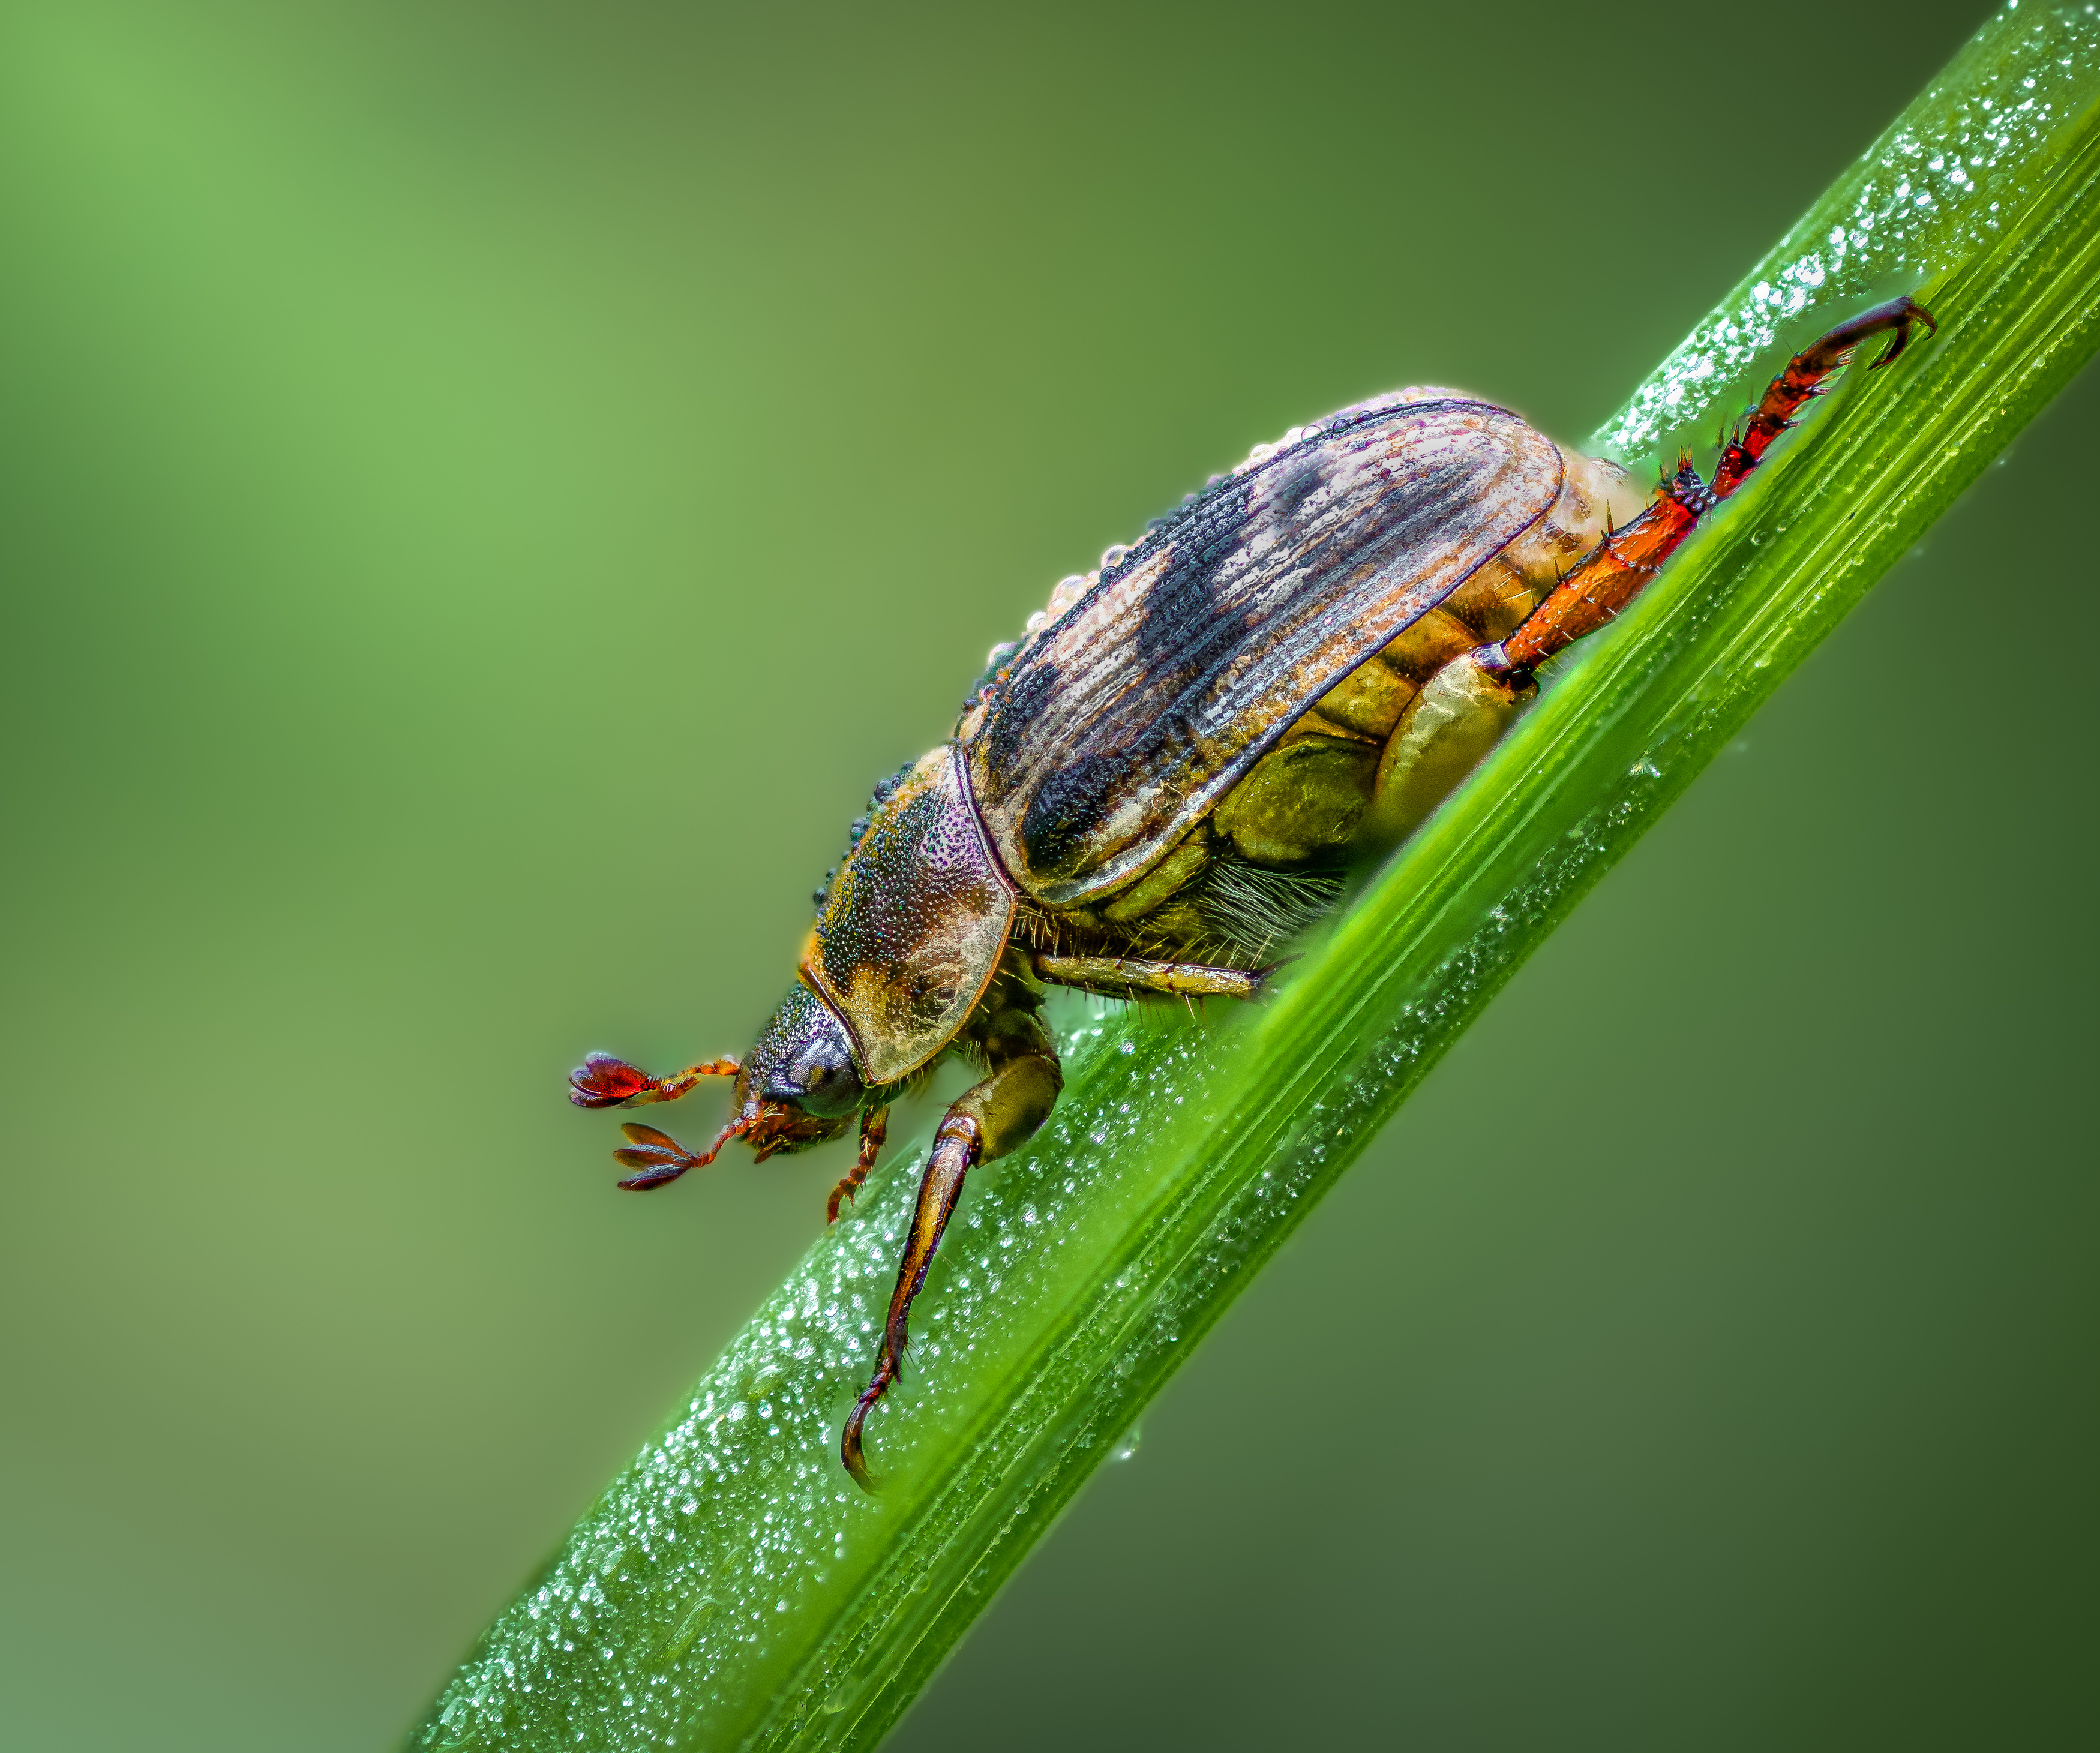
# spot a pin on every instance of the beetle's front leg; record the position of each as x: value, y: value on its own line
x: 992, y: 1118
x: 873, y: 1129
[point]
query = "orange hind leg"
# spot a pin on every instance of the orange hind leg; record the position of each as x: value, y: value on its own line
x: 1467, y: 706
x: 1614, y: 572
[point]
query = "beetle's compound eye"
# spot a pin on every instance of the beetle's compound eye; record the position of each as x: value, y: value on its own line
x: 804, y: 1058
x: 822, y: 1081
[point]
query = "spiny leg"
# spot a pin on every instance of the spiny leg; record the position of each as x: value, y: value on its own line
x: 1803, y: 379
x: 1127, y: 976
x: 604, y: 1082
x: 1605, y: 581
x: 1612, y: 573
x: 873, y: 1129
x: 988, y: 1120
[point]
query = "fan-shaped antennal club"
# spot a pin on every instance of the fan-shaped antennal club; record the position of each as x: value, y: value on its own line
x: 604, y: 1082
x: 661, y: 1158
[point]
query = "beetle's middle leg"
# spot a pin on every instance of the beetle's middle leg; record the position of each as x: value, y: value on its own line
x: 988, y: 1120
x: 1129, y: 976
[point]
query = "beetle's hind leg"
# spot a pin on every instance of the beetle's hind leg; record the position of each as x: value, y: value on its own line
x: 1465, y: 708
x: 1803, y: 380
x: 1611, y: 575
x: 995, y: 1116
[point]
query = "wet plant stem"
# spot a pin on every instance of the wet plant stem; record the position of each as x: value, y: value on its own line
x: 733, y: 1588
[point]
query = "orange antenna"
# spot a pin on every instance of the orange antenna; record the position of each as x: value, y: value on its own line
x: 604, y: 1082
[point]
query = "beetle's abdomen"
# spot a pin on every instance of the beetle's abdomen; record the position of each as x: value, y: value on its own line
x: 1300, y: 801
x: 1131, y: 717
x: 1334, y: 740
x: 1295, y: 805
x: 1362, y: 760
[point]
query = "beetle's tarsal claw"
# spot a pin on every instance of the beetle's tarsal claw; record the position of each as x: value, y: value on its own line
x: 1908, y: 313
x: 1264, y: 976
x: 604, y: 1082
x: 849, y: 1444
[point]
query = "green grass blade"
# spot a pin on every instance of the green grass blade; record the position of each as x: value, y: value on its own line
x: 732, y: 1587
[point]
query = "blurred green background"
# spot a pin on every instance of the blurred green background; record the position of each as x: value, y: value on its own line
x: 485, y: 488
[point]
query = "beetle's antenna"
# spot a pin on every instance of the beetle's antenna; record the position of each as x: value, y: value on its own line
x: 662, y: 1159
x: 604, y: 1082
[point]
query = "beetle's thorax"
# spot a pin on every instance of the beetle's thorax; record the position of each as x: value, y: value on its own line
x: 912, y: 926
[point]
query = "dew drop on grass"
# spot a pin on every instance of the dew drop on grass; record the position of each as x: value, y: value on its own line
x: 1920, y: 196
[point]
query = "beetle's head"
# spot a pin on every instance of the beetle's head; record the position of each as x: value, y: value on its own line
x: 799, y: 1085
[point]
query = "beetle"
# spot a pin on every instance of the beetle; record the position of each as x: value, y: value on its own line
x: 1160, y: 783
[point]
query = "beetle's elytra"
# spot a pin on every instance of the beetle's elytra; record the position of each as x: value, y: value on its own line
x: 1157, y: 786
